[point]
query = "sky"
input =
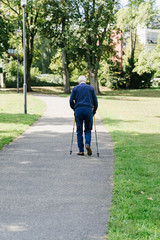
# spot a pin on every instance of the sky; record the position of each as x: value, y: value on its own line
x: 124, y: 2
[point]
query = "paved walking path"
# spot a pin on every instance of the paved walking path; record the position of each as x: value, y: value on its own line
x: 48, y: 194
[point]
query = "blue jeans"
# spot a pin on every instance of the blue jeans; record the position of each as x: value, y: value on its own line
x: 83, y: 115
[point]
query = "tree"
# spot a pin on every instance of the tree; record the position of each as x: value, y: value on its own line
x: 77, y: 66
x: 82, y: 31
x: 95, y: 21
x: 43, y: 53
x: 6, y: 29
x: 56, y: 63
x: 58, y: 27
x: 156, y: 58
x: 34, y: 13
x: 137, y: 13
x: 149, y: 61
x: 144, y: 63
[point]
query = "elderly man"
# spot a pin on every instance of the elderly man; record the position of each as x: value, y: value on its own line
x: 84, y: 102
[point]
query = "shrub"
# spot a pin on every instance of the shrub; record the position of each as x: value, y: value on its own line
x: 108, y: 74
x: 46, y: 80
x: 135, y: 80
x: 37, y: 79
x: 11, y: 74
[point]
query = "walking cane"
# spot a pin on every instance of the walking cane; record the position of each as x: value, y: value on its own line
x: 96, y: 135
x: 72, y: 136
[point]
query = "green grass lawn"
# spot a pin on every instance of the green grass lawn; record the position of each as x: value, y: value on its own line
x: 133, y: 120
x: 13, y: 121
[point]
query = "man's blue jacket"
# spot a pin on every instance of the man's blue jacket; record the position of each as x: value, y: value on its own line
x: 83, y: 96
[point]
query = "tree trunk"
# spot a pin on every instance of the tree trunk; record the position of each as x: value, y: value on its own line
x: 65, y: 72
x: 28, y: 73
x: 93, y: 79
x: 28, y: 77
x: 132, y: 44
x: 29, y: 58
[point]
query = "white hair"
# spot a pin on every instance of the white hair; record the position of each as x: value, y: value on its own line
x: 82, y: 79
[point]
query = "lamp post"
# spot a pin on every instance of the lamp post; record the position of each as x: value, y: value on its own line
x: 23, y: 4
x: 17, y: 61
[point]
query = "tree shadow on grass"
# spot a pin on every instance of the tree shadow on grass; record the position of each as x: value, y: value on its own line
x: 117, y: 121
x: 26, y: 119
x: 48, y: 90
x: 153, y: 93
x: 116, y: 98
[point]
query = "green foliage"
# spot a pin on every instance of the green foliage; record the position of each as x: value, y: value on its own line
x: 108, y: 74
x: 144, y: 63
x: 76, y: 68
x: 76, y: 73
x: 96, y: 19
x: 104, y: 73
x: 34, y: 14
x: 47, y: 80
x: 157, y: 73
x: 43, y: 54
x: 156, y: 58
x: 149, y: 61
x: 59, y: 26
x: 137, y: 70
x: 133, y: 79
x: 11, y: 74
x: 34, y: 74
x: 6, y: 28
x: 139, y: 48
x: 82, y: 29
x: 137, y: 12
x: 94, y: 29
x: 56, y: 63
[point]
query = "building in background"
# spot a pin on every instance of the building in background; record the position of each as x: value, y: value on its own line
x: 148, y: 36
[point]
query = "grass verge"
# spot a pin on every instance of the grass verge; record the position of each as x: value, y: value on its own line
x: 132, y: 118
x: 13, y: 121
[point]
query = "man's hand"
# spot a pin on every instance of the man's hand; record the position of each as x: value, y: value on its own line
x: 94, y: 112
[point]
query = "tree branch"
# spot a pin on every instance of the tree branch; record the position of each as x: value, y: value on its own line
x: 36, y: 17
x: 8, y: 5
x: 77, y: 7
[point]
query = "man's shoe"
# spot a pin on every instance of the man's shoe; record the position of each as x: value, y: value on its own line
x: 80, y: 153
x: 89, y: 150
